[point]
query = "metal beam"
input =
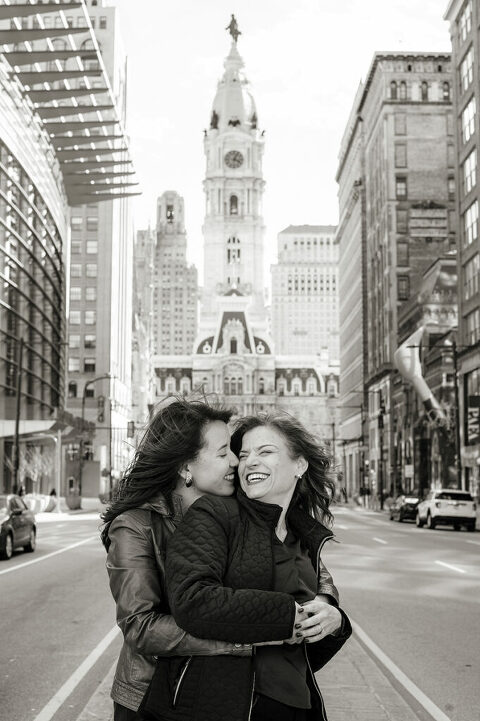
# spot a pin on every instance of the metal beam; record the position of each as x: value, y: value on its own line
x: 7, y: 37
x: 66, y: 141
x: 72, y: 125
x: 95, y: 197
x: 44, y: 96
x: 24, y: 57
x: 72, y: 154
x: 33, y: 77
x: 85, y: 178
x: 74, y: 168
x: 64, y: 110
x: 23, y: 10
x: 99, y: 186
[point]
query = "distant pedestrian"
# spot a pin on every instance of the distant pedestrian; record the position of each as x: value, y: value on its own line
x: 344, y: 494
x: 53, y: 492
x: 21, y: 490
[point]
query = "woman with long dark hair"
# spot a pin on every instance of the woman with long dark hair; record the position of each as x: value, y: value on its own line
x: 247, y: 569
x: 185, y: 452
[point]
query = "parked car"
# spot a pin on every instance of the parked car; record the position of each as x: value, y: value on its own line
x: 403, y: 507
x: 17, y: 526
x: 447, y: 506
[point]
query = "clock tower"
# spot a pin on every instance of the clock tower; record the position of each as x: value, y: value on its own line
x: 233, y: 229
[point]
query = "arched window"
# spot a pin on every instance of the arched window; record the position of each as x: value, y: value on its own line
x: 311, y: 387
x: 233, y: 346
x: 424, y: 90
x: 393, y: 90
x: 72, y: 389
x: 261, y: 386
x: 240, y: 386
x: 226, y: 386
x: 233, y: 249
x: 233, y: 205
x: 296, y: 387
x: 403, y: 90
x: 446, y: 90
x: 233, y: 387
x: 88, y: 62
x: 281, y: 386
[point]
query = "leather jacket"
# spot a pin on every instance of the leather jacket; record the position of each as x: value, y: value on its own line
x: 136, y: 570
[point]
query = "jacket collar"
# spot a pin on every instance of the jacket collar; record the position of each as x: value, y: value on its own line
x: 159, y: 505
x: 310, y: 531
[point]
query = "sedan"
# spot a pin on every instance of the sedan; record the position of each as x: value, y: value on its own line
x: 17, y: 526
x: 404, y: 507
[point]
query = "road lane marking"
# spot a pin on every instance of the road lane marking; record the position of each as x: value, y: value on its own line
x: 474, y: 543
x: 453, y: 568
x: 379, y: 540
x: 48, y: 555
x: 49, y: 711
x: 435, y: 712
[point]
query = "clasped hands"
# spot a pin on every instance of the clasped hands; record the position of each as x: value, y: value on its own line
x: 314, y: 620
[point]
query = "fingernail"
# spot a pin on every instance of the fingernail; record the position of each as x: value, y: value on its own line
x: 298, y: 625
x: 300, y: 610
x: 298, y: 634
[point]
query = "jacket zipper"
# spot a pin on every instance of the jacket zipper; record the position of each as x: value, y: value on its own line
x: 253, y: 686
x: 177, y: 688
x: 324, y: 714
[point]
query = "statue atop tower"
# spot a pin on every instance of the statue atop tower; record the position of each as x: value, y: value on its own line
x: 232, y: 28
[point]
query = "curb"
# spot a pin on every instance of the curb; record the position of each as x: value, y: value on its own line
x: 100, y: 706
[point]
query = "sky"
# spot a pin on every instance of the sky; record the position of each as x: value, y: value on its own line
x: 304, y: 60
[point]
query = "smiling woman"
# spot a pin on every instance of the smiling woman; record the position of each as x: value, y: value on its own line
x: 247, y: 569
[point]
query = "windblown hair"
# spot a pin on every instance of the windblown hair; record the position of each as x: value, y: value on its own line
x: 315, y: 490
x: 173, y: 437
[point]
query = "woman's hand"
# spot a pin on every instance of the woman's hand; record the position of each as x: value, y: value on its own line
x: 322, y: 620
x: 297, y: 634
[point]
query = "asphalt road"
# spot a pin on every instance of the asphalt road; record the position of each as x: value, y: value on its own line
x: 416, y: 593
x: 53, y: 614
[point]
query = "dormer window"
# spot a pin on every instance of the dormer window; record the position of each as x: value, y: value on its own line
x: 233, y: 205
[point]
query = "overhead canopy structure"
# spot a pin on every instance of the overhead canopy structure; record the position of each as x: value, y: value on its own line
x: 80, y: 115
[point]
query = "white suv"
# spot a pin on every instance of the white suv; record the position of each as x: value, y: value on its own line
x: 447, y: 506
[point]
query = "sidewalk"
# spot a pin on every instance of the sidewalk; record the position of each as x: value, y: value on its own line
x: 91, y: 507
x: 353, y: 687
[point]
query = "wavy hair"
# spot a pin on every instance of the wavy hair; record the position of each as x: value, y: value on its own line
x: 315, y: 490
x: 173, y: 437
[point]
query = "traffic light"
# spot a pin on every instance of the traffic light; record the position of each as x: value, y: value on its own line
x: 100, y: 409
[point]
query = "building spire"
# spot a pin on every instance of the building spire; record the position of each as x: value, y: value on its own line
x: 232, y: 28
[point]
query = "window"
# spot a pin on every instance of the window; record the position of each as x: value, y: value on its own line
x: 261, y: 386
x: 472, y: 407
x: 74, y: 341
x: 91, y: 270
x: 472, y: 326
x: 76, y: 223
x: 90, y: 341
x: 400, y: 155
x: 424, y: 90
x: 170, y: 213
x: 465, y: 20
x: 468, y: 120
x: 470, y: 221
x: 466, y: 70
x: 470, y: 171
x: 393, y: 90
x: 75, y: 293
x: 233, y: 346
x: 89, y: 365
x: 73, y: 365
x: 92, y: 246
x: 403, y: 90
x: 233, y: 205
x: 403, y: 287
x: 76, y: 247
x: 402, y: 217
x: 401, y: 187
x: 446, y: 90
x: 74, y: 317
x: 75, y: 270
x: 400, y: 124
x: 472, y: 273
x: 90, y: 317
x: 72, y: 389
x: 90, y: 392
x: 90, y: 293
x: 103, y: 22
x: 92, y: 223
x: 402, y: 253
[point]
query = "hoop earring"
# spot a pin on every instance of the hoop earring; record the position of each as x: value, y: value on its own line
x: 188, y: 479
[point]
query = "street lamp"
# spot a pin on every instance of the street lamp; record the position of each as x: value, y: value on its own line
x: 84, y: 396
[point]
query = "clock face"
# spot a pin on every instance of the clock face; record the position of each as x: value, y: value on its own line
x: 234, y: 159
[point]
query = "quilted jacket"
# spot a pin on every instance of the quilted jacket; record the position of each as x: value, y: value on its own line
x: 220, y: 576
x: 136, y: 570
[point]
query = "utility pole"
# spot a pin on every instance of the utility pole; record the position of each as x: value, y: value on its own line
x: 381, y: 413
x: 457, y: 415
x: 18, y: 407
